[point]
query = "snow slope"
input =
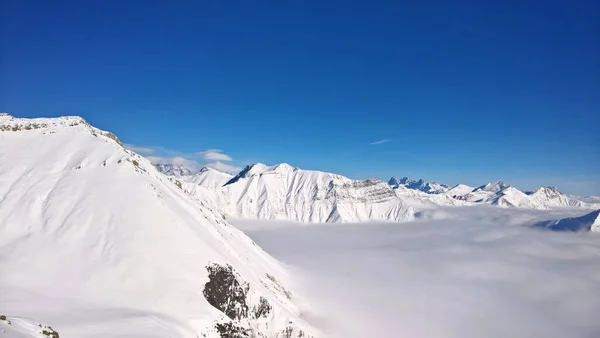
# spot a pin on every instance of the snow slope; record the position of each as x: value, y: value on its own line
x: 589, y: 222
x: 96, y: 242
x: 284, y: 192
x: 17, y: 327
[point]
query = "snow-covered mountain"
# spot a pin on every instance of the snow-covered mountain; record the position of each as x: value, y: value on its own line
x: 551, y: 196
x: 284, y: 192
x: 589, y: 222
x: 176, y: 170
x: 209, y: 178
x: 421, y: 185
x: 502, y: 194
x: 95, y: 242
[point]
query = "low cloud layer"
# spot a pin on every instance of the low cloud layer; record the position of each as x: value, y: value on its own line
x: 477, y: 273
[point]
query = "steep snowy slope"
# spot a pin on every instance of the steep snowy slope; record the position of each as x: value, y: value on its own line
x: 96, y: 242
x: 173, y: 169
x: 283, y: 192
x: 589, y: 222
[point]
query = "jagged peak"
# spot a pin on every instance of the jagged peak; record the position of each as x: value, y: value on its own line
x: 405, y: 180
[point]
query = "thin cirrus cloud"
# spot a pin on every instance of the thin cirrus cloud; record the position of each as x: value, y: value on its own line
x: 379, y: 142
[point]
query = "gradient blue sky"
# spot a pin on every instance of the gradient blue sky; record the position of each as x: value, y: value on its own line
x: 465, y: 91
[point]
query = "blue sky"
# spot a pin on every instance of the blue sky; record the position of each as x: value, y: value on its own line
x: 460, y: 91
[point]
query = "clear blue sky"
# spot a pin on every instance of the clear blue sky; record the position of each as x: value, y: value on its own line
x: 466, y: 91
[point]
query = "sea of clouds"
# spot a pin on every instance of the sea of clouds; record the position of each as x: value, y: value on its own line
x: 460, y: 272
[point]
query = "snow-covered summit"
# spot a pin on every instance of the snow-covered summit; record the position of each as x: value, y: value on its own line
x: 492, y: 187
x: 208, y: 178
x: 258, y: 169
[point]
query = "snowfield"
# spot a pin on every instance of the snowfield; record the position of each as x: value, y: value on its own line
x: 478, y: 273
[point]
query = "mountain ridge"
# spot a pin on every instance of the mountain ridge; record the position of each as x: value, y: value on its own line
x: 424, y: 194
x: 157, y: 262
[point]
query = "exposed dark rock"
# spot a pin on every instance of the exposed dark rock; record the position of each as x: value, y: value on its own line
x: 226, y: 292
x: 230, y: 330
x: 263, y: 309
x: 49, y: 331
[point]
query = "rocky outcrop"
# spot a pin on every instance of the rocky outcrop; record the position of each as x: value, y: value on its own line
x: 240, y: 302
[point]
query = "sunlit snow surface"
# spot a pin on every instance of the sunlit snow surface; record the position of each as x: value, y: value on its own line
x: 477, y: 273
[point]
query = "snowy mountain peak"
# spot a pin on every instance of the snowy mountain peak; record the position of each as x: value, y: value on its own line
x: 547, y: 191
x: 395, y: 182
x: 211, y: 169
x: 492, y: 187
x: 258, y: 169
x: 176, y: 170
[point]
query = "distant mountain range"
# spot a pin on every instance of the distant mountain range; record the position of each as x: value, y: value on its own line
x: 284, y: 192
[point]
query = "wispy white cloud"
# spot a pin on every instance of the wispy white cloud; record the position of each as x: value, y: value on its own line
x: 214, y: 158
x: 224, y: 167
x: 140, y: 150
x: 379, y: 142
x: 214, y: 155
x: 177, y: 160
